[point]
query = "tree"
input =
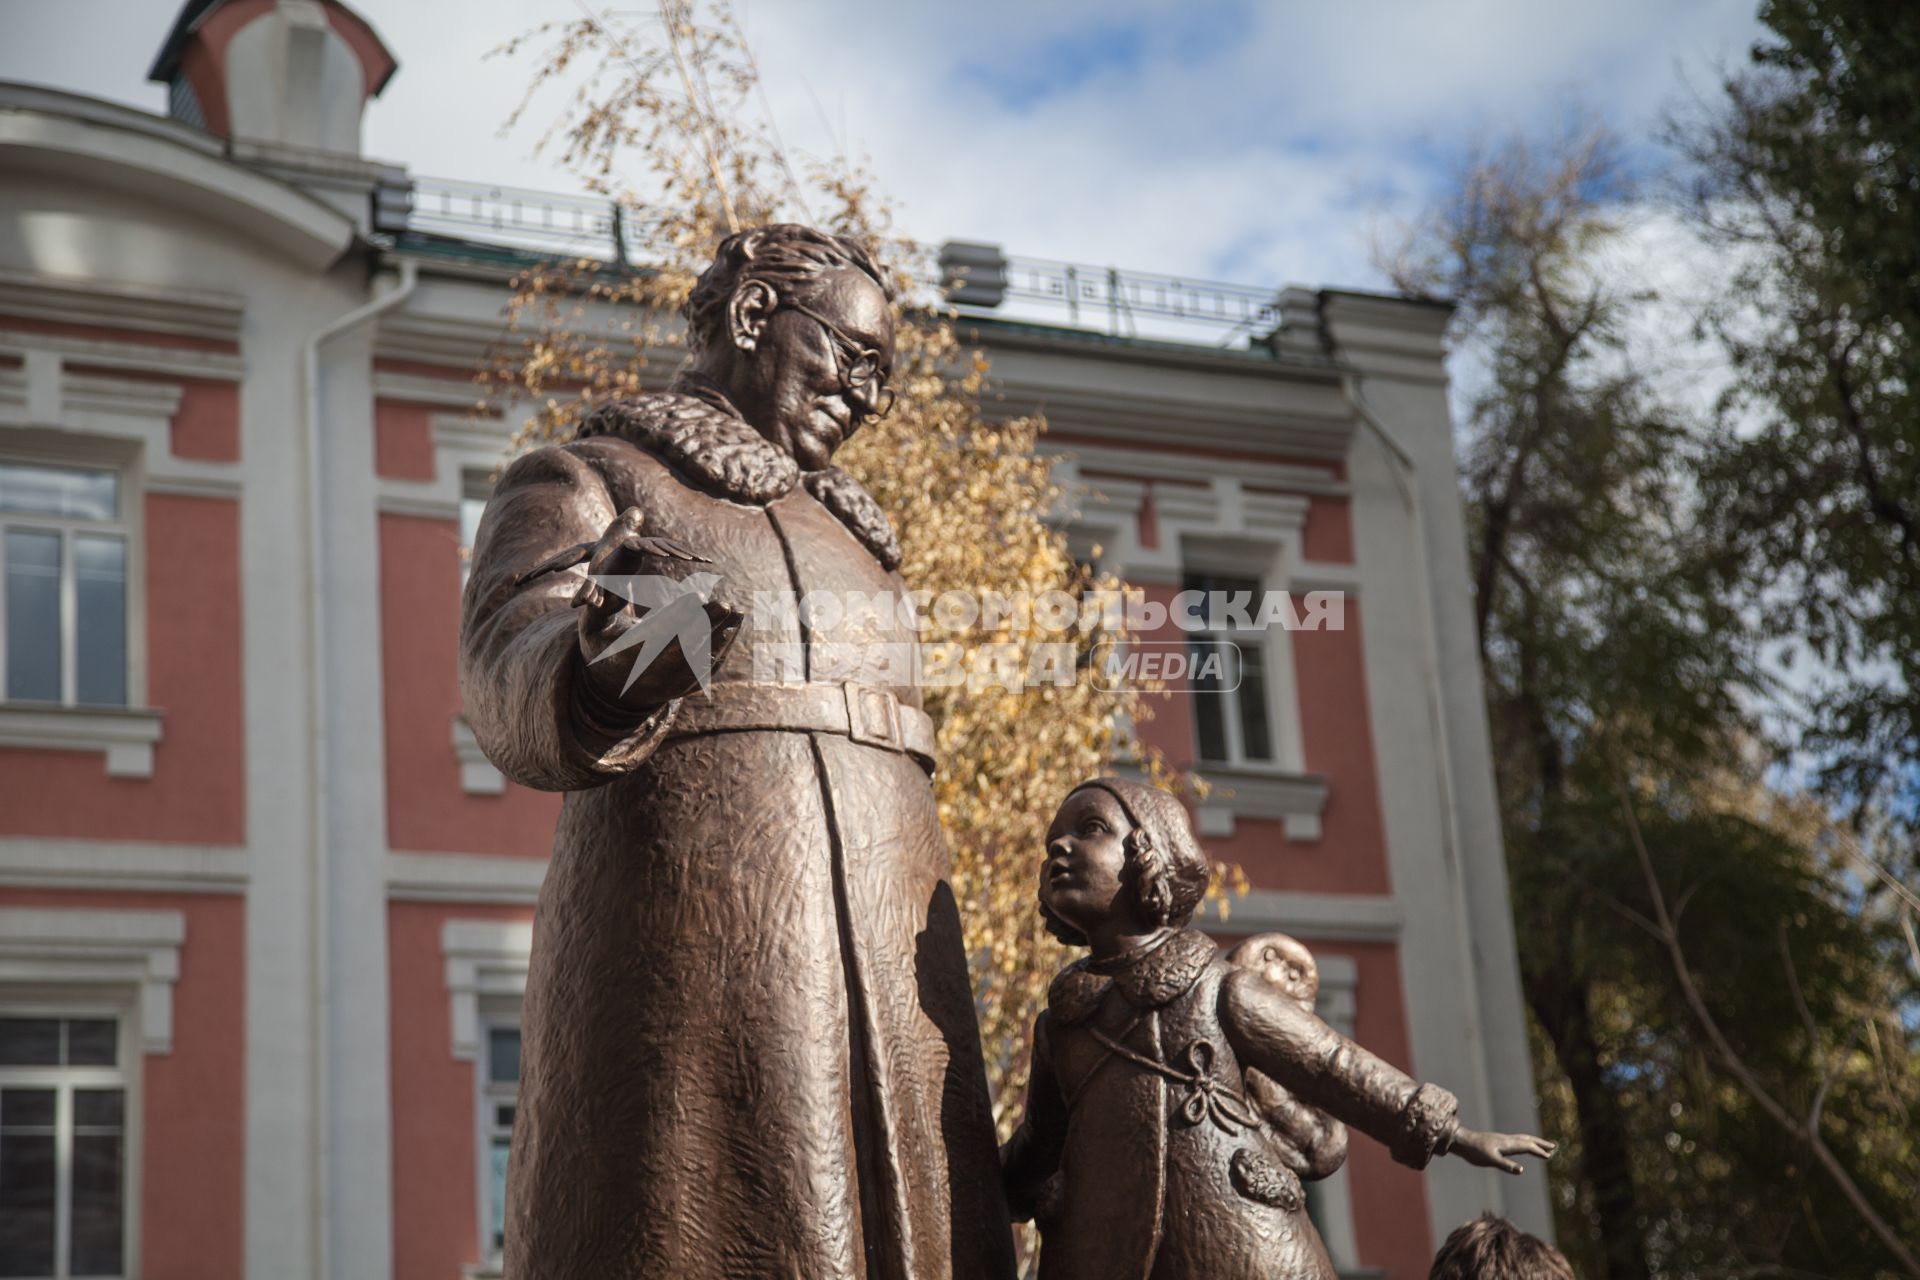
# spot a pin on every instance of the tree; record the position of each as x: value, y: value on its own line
x: 1806, y: 178
x: 1690, y: 947
x: 667, y: 100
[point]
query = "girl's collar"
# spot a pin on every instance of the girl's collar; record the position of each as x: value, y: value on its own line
x: 1133, y: 954
x: 1148, y: 977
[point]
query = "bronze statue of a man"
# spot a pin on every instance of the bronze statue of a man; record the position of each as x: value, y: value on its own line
x: 749, y: 1039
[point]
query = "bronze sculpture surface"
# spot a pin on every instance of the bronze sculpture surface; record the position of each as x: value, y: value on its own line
x: 750, y: 1045
x: 1171, y: 1112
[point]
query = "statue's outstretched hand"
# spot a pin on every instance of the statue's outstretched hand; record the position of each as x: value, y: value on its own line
x: 605, y: 617
x: 1491, y: 1150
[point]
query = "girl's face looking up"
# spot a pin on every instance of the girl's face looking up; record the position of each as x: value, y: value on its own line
x: 1081, y: 880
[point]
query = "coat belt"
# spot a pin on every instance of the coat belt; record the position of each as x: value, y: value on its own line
x: 863, y: 712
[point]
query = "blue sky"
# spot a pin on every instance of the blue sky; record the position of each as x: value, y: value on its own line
x: 1262, y: 143
x: 1022, y: 78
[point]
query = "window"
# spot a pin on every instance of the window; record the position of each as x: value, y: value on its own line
x: 474, y: 491
x: 486, y: 976
x: 63, y: 1147
x: 63, y: 610
x: 499, y: 1092
x: 1230, y: 695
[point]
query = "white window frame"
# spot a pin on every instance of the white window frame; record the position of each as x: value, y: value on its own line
x: 486, y: 976
x: 475, y: 486
x: 81, y: 1002
x: 123, y: 464
x: 1277, y: 788
x: 124, y: 736
x: 478, y: 776
x: 1332, y: 1197
x: 1265, y: 641
x: 498, y: 1013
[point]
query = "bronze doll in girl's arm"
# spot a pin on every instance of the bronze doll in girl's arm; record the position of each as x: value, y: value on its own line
x: 1148, y: 1148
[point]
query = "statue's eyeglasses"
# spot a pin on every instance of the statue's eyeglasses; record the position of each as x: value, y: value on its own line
x: 862, y: 375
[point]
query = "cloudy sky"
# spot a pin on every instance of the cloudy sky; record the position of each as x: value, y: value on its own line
x: 1253, y: 143
x: 1257, y: 143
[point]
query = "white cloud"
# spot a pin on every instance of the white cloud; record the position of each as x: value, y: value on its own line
x: 1240, y: 140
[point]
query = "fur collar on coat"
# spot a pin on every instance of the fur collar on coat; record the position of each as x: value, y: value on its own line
x: 693, y: 429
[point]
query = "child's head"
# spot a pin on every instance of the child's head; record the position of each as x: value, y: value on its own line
x: 1490, y: 1248
x: 1283, y: 961
x: 1120, y: 848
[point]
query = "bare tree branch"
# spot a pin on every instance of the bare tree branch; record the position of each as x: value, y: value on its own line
x: 1829, y: 1069
x: 673, y: 24
x: 1685, y: 899
x: 1793, y: 986
x: 1799, y: 1130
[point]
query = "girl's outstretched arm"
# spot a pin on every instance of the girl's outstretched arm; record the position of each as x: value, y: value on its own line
x: 1324, y: 1069
x: 1271, y: 1032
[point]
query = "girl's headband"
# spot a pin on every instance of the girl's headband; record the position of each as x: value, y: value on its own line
x: 1133, y: 819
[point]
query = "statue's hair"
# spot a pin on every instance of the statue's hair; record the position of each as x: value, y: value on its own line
x: 1491, y: 1248
x: 1166, y: 870
x: 787, y: 256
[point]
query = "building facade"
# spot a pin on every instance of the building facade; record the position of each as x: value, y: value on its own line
x: 264, y: 906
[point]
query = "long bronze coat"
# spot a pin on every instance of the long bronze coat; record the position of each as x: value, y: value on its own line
x: 749, y: 1039
x: 1141, y: 1156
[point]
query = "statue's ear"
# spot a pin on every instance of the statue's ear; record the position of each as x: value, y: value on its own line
x: 748, y: 311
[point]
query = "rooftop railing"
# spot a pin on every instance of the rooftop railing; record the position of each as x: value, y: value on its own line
x: 518, y: 218
x: 977, y: 278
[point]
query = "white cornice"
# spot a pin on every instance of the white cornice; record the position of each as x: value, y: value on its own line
x: 1167, y: 464
x: 186, y: 478
x: 124, y: 735
x: 158, y: 165
x: 1295, y: 799
x: 84, y: 393
x: 104, y: 864
x: 116, y: 304
x: 483, y: 958
x: 454, y: 392
x: 1387, y: 337
x: 213, y: 366
x: 52, y: 410
x: 1328, y: 917
x: 1014, y: 336
x: 1214, y: 516
x: 1205, y: 424
x: 1327, y: 575
x: 1420, y: 318
x: 18, y: 95
x: 1225, y: 507
x: 456, y: 342
x: 139, y: 950
x: 464, y: 877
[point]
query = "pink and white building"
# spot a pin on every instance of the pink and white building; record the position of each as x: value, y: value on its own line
x: 264, y: 907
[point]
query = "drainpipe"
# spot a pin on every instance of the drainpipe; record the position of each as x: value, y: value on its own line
x: 1405, y: 475
x: 320, y: 858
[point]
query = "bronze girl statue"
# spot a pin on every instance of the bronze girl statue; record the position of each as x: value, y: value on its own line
x: 1142, y: 1152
